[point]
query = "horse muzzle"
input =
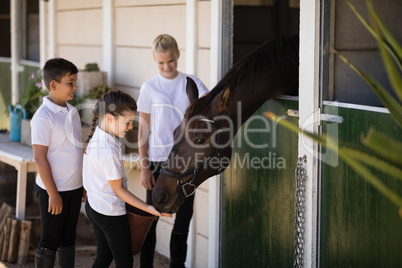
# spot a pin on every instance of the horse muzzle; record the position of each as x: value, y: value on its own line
x: 165, y: 202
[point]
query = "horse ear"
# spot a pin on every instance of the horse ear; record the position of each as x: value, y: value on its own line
x: 224, y: 99
x: 191, y: 90
x: 219, y: 103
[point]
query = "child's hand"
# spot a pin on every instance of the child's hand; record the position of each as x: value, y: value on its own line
x: 55, y: 205
x: 153, y: 211
x: 84, y: 196
x: 147, y: 178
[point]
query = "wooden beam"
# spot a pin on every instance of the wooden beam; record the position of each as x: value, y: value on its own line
x: 14, y: 30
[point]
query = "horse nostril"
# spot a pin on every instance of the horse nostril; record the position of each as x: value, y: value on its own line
x: 163, y: 198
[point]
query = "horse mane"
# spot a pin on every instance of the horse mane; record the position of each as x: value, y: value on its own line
x: 277, y: 55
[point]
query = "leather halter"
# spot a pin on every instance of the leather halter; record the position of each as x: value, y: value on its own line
x: 193, y: 171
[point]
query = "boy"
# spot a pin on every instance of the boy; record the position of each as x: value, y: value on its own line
x: 56, y: 135
x: 164, y: 100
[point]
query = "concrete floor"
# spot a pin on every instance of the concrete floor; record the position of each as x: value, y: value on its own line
x: 85, y: 243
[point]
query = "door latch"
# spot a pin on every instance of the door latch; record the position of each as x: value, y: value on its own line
x: 323, y: 117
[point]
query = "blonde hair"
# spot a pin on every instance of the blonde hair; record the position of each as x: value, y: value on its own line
x: 163, y: 43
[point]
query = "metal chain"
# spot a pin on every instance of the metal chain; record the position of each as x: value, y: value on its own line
x: 300, y: 198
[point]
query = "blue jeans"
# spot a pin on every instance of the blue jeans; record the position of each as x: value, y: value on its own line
x: 113, y: 239
x: 59, y: 230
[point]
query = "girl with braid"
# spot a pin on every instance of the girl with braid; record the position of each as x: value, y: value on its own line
x: 105, y: 181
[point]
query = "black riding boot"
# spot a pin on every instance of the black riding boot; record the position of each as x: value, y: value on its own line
x: 178, y: 250
x: 44, y: 258
x: 66, y: 256
x: 148, y: 251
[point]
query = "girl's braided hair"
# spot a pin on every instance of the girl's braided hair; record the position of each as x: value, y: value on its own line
x: 114, y: 102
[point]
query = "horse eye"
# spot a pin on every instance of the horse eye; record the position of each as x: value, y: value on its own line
x: 199, y: 141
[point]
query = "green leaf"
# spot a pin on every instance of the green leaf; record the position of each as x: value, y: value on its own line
x: 322, y: 139
x: 391, y: 45
x: 375, y: 162
x: 384, y: 145
x: 394, y: 74
x: 370, y: 178
x: 394, y: 45
x: 355, y: 164
x: 390, y: 102
x: 294, y: 128
x: 386, y: 43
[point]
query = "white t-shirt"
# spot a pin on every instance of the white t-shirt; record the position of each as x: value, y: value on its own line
x: 59, y: 128
x: 103, y: 162
x: 166, y: 100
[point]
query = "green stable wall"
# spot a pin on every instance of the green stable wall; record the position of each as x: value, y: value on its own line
x: 359, y: 226
x: 258, y: 203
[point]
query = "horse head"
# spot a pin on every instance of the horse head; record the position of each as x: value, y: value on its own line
x: 201, y: 150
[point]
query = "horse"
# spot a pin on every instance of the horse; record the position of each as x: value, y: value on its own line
x: 202, y: 145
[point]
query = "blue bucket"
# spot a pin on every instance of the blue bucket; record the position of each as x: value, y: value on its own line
x: 15, y: 122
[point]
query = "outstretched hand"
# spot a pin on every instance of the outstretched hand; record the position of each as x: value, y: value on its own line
x: 153, y: 211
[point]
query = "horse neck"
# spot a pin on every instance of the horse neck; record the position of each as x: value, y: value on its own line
x: 245, y: 101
